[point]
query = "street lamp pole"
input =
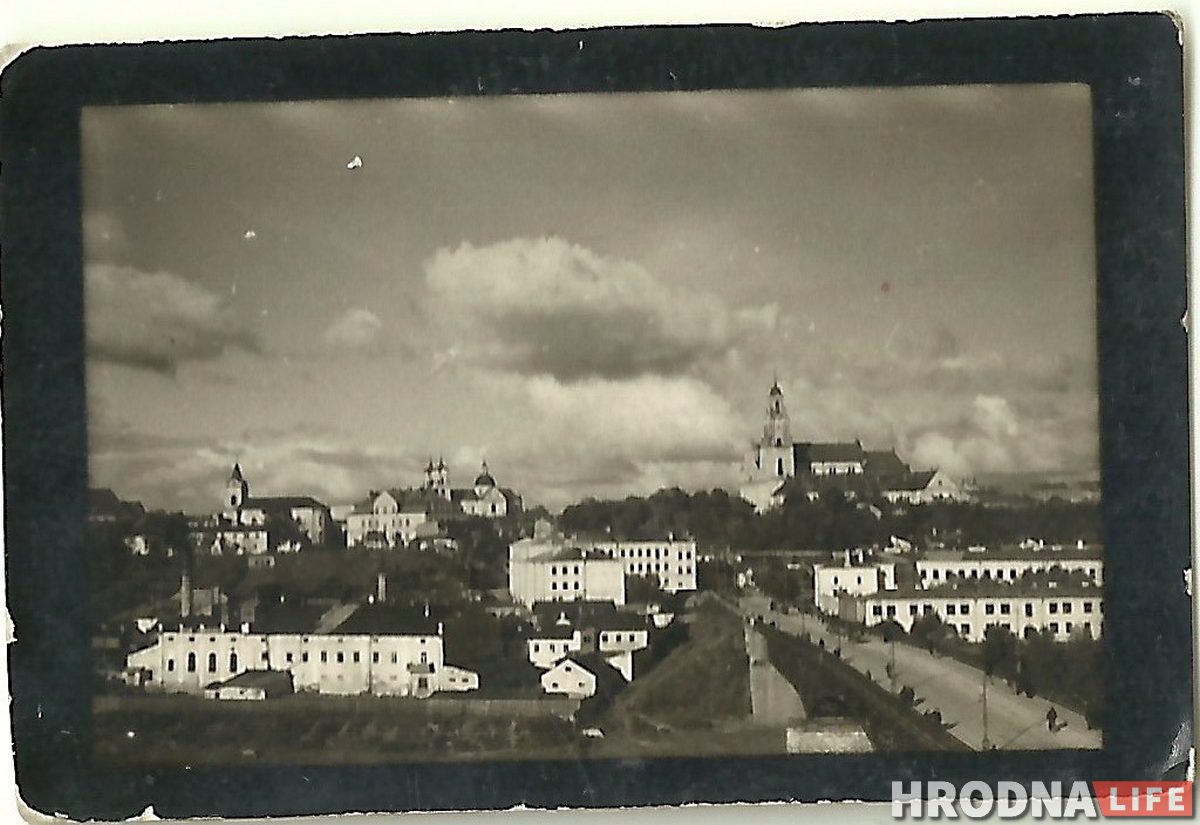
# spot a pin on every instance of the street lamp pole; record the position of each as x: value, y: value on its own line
x: 985, y: 744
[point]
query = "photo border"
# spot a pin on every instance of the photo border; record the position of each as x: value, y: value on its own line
x: 1133, y: 65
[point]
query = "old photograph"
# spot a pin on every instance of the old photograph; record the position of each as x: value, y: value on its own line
x: 593, y: 426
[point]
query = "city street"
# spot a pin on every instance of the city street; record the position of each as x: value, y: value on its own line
x: 954, y: 689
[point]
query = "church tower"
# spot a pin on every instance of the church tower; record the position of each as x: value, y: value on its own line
x: 237, y: 490
x: 776, y: 453
x: 441, y: 479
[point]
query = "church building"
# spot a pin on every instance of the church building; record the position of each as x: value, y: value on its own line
x: 777, y: 467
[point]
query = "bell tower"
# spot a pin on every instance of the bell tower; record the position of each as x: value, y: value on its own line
x: 776, y: 452
x: 237, y: 490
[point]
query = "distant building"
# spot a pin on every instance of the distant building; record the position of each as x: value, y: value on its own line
x: 1064, y: 607
x: 376, y: 650
x: 777, y: 467
x: 251, y: 685
x: 671, y: 561
x: 853, y: 578
x: 924, y: 487
x: 396, y: 517
x: 581, y: 628
x: 546, y: 568
x: 240, y: 509
x: 582, y: 677
x: 1008, y: 564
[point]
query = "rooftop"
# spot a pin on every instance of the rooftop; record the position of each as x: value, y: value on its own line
x: 388, y: 620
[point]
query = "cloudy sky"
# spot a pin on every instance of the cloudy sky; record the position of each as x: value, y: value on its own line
x: 591, y: 291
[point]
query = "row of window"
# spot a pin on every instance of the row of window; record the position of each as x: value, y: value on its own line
x: 989, y: 608
x: 289, y: 657
x: 937, y: 574
x: 232, y: 638
x: 644, y: 553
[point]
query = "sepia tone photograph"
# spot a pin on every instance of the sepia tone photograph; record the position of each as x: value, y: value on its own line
x: 593, y: 426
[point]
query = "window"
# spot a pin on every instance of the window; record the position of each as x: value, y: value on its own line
x: 304, y: 656
x: 1087, y: 607
x: 989, y: 609
x: 949, y: 610
x: 1066, y: 607
x: 341, y: 657
x: 288, y: 658
x: 356, y: 657
x: 324, y: 657
x: 964, y: 608
x: 233, y: 662
x: 1068, y: 627
x: 170, y: 665
x: 966, y: 628
x: 553, y: 585
x: 1005, y: 609
x: 1054, y: 627
x: 876, y: 610
x: 375, y: 657
x: 912, y: 610
x: 212, y: 663
x: 1028, y: 609
x: 1053, y: 607
x: 537, y: 648
x: 394, y: 658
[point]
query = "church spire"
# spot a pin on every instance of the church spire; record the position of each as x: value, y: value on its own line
x: 777, y: 432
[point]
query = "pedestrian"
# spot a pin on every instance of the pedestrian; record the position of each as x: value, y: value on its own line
x: 1052, y: 720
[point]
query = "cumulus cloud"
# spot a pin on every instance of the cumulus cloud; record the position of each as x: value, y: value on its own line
x: 601, y: 436
x: 549, y: 307
x: 353, y: 329
x: 156, y: 321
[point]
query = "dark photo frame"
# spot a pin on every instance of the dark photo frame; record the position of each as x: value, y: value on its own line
x: 1133, y: 66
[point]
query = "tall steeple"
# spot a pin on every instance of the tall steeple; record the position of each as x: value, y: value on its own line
x: 777, y: 432
x: 237, y: 489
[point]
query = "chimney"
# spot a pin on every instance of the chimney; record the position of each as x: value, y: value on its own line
x: 441, y: 628
x: 380, y: 588
x: 185, y: 595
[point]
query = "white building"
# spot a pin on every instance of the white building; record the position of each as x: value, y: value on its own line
x: 671, y: 561
x: 1064, y: 608
x: 1008, y: 564
x: 854, y: 577
x: 546, y: 568
x: 190, y: 657
x: 924, y: 487
x: 396, y: 517
x: 581, y: 677
x: 615, y: 636
x: 310, y: 516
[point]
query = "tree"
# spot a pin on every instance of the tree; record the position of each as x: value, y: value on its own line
x: 929, y: 630
x: 1000, y: 652
x: 643, y: 590
x: 892, y: 631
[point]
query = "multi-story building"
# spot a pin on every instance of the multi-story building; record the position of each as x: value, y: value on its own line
x: 777, y: 467
x: 375, y: 650
x: 398, y: 516
x: 1009, y: 564
x: 583, y: 628
x: 1064, y: 606
x: 240, y: 510
x: 671, y: 561
x: 856, y: 576
x: 551, y: 571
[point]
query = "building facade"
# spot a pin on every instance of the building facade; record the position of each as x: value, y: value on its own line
x: 189, y: 657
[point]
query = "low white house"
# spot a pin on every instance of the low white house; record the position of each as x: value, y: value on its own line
x: 581, y: 677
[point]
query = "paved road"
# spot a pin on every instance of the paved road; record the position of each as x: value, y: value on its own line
x: 950, y: 687
x: 773, y: 700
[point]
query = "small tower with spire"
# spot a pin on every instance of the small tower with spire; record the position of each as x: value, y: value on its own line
x: 776, y: 452
x: 237, y: 490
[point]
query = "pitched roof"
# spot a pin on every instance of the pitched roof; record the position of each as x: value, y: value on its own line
x: 265, y: 679
x: 886, y: 462
x: 287, y: 617
x: 808, y: 452
x: 913, y: 481
x: 608, y: 678
x: 283, y: 502
x: 388, y: 620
